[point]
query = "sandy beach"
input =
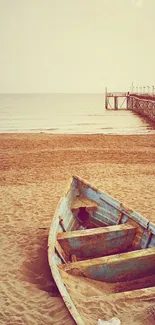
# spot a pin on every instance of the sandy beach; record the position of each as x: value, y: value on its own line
x: 34, y: 170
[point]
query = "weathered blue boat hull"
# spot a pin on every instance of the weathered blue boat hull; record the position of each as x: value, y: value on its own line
x: 118, y: 246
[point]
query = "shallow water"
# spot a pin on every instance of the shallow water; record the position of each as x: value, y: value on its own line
x: 66, y: 113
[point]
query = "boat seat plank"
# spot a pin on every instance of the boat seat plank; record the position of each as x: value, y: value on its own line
x: 98, y: 241
x: 119, y: 267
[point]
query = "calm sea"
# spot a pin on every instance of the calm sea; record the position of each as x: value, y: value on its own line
x: 66, y: 113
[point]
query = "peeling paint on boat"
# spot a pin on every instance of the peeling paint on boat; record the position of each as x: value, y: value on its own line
x: 104, y: 211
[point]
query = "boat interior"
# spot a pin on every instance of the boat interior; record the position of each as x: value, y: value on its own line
x: 113, y: 245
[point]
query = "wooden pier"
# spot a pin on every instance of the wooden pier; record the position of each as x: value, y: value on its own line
x: 116, y: 100
x: 141, y: 103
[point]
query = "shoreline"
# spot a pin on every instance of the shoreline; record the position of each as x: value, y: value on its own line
x: 148, y: 132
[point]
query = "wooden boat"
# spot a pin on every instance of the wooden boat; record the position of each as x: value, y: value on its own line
x: 95, y: 236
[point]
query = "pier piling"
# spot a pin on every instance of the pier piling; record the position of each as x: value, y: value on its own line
x: 141, y: 103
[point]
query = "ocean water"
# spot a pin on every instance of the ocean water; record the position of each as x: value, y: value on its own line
x: 66, y: 113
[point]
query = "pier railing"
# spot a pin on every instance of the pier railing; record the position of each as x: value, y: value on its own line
x: 141, y: 103
x: 116, y: 100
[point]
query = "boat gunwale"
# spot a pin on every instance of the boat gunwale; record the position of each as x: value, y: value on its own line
x: 54, y: 268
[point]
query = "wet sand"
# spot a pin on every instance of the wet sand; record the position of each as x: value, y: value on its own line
x: 33, y: 176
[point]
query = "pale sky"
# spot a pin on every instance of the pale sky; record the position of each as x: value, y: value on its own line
x: 76, y: 45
